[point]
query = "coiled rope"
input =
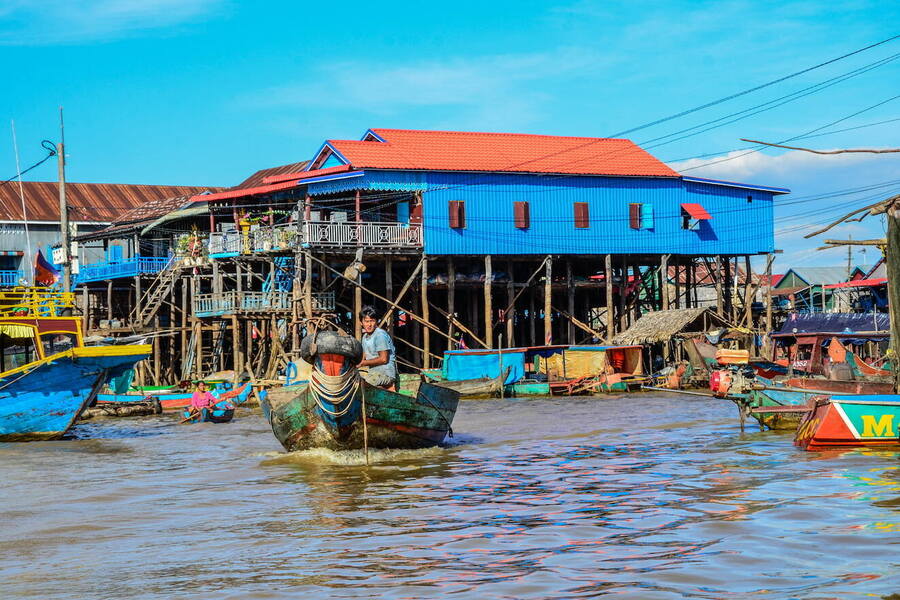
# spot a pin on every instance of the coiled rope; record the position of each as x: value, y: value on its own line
x: 335, y: 389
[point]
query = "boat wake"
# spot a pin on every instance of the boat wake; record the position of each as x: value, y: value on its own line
x: 350, y: 457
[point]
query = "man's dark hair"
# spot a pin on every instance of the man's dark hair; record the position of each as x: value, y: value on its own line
x: 368, y: 311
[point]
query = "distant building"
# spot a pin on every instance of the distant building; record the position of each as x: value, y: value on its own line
x: 91, y: 207
x: 811, y: 289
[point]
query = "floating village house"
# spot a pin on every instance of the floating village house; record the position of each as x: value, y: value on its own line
x: 475, y: 239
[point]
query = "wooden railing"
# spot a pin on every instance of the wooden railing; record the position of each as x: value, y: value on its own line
x: 227, y: 242
x: 383, y: 235
x: 208, y: 305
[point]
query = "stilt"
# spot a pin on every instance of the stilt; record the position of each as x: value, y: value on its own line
x: 532, y: 315
x: 510, y: 314
x: 426, y: 333
x: 389, y: 289
x: 720, y: 300
x: 451, y: 301
x: 488, y: 300
x: 664, y: 281
x: 548, y: 292
x: 570, y: 298
x: 608, y: 278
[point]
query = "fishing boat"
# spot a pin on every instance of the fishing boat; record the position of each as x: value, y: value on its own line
x: 482, y: 387
x: 47, y: 374
x: 220, y: 412
x: 846, y: 421
x: 340, y: 411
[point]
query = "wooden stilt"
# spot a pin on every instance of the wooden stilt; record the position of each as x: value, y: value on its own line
x: 488, y: 299
x: 510, y: 313
x: 389, y: 289
x: 664, y: 280
x: 608, y: 278
x: 451, y: 301
x: 570, y: 298
x: 532, y: 317
x: 720, y: 300
x: 548, y: 309
x: 109, y: 302
x: 426, y: 333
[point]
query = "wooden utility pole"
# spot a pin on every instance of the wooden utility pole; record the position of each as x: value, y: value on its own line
x: 63, y: 207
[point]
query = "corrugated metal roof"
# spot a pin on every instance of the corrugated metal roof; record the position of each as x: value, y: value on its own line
x: 500, y: 152
x: 822, y: 275
x: 259, y: 178
x: 138, y: 217
x: 88, y: 202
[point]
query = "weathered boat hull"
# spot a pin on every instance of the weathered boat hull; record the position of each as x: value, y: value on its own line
x: 484, y: 387
x: 769, y: 398
x: 392, y: 420
x: 43, y: 402
x: 840, y: 387
x: 180, y: 400
x: 848, y: 421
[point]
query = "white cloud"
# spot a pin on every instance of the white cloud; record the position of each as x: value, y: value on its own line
x: 485, y: 91
x: 25, y: 22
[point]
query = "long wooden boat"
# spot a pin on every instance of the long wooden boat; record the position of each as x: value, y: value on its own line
x: 340, y: 411
x: 53, y: 376
x: 846, y: 421
x: 840, y: 387
x: 179, y: 400
x: 483, y: 387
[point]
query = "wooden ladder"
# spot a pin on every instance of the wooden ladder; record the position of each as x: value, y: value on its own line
x: 155, y: 294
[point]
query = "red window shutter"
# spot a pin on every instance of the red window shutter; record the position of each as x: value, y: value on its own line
x: 634, y: 215
x: 582, y: 218
x: 457, y: 210
x: 521, y: 215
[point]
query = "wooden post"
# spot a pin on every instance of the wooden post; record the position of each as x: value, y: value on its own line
x: 664, y: 280
x: 85, y: 309
x: 548, y: 292
x: 636, y: 273
x: 389, y: 289
x: 307, y: 285
x: 677, y: 279
x: 137, y: 295
x: 748, y: 296
x: 769, y: 259
x: 892, y: 267
x: 608, y: 277
x: 623, y: 285
x: 451, y: 301
x: 532, y: 334
x: 510, y: 313
x: 488, y: 302
x: 236, y: 345
x: 570, y: 306
x: 426, y: 332
x: 184, y: 326
x: 357, y: 306
x: 720, y: 300
x: 109, y: 294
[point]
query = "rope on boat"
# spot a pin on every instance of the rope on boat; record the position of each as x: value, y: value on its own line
x: 365, y: 427
x: 336, y: 389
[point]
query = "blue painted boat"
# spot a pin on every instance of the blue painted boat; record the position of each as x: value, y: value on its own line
x: 220, y: 412
x: 47, y: 375
x: 180, y: 400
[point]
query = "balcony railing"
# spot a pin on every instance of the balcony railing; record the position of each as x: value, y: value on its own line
x: 223, y: 243
x: 380, y: 235
x: 126, y: 268
x: 10, y: 278
x: 277, y: 237
x: 225, y: 303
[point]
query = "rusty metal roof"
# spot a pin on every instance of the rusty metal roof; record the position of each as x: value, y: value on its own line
x: 257, y: 179
x: 88, y: 202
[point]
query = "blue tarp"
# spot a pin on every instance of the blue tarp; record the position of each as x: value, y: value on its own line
x: 813, y: 323
x: 475, y: 364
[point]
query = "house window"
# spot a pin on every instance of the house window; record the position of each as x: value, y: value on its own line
x: 749, y: 199
x: 640, y: 216
x: 521, y: 215
x: 692, y: 214
x: 457, y: 210
x: 582, y: 217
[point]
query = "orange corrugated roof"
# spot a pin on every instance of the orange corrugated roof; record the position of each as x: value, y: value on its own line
x: 501, y: 152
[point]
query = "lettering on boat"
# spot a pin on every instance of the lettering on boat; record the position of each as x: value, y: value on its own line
x: 883, y: 427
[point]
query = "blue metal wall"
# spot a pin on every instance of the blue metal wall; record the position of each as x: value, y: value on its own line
x: 737, y: 226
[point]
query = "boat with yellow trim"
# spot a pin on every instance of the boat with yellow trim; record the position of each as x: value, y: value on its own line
x: 47, y: 374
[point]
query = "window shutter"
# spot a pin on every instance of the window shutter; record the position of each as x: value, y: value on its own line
x: 634, y: 215
x: 582, y: 218
x: 647, y: 216
x: 521, y: 214
x: 457, y: 214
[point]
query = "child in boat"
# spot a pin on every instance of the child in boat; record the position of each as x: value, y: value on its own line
x: 378, y: 351
x: 202, y: 398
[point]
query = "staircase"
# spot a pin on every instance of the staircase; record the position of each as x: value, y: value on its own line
x: 153, y: 298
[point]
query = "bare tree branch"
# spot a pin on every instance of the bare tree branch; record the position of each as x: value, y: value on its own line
x: 873, y: 209
x: 843, y: 151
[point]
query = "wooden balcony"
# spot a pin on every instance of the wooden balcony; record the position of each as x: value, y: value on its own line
x: 139, y: 265
x: 364, y: 234
x: 234, y: 302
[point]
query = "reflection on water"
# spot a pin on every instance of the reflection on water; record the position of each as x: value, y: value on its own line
x: 639, y: 496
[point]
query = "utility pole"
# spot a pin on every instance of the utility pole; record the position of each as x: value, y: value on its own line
x: 63, y: 208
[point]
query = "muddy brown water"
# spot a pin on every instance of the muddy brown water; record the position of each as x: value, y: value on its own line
x: 644, y: 496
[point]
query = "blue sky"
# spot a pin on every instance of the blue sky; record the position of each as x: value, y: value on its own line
x: 203, y: 92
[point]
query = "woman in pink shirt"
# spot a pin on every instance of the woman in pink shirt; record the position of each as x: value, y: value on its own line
x: 202, y: 398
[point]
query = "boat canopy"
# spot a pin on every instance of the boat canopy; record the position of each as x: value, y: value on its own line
x: 460, y: 365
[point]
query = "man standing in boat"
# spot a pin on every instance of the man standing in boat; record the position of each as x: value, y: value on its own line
x: 378, y: 351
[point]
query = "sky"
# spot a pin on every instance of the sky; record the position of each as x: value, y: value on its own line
x: 204, y: 92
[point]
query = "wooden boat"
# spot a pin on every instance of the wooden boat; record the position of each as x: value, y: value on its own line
x: 340, y: 411
x: 220, y: 412
x: 483, y: 387
x: 846, y: 421
x: 840, y: 387
x: 53, y: 376
x: 121, y: 409
x: 180, y: 400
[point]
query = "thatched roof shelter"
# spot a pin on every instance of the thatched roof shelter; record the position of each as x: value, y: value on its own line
x: 662, y: 325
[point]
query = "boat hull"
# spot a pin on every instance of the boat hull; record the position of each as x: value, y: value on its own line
x: 849, y: 421
x: 43, y: 402
x: 392, y: 420
x: 180, y: 400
